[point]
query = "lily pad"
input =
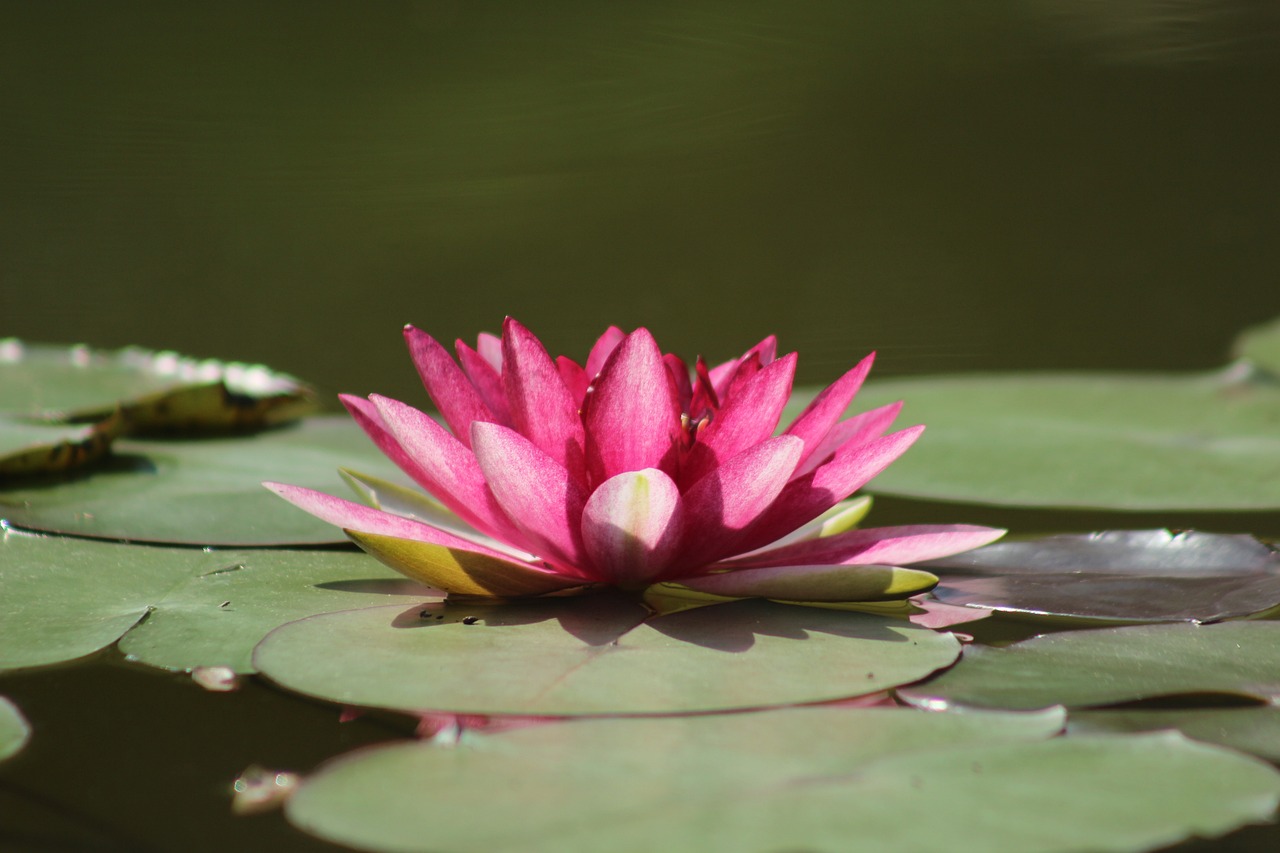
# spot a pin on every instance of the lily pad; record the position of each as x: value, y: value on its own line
x: 1255, y: 729
x: 1116, y: 441
x: 14, y: 730
x: 1261, y: 345
x: 205, y: 492
x: 1129, y: 575
x: 155, y: 391
x: 596, y: 655
x: 64, y: 598
x: 1080, y: 669
x: 798, y: 779
x: 30, y: 449
x: 217, y: 617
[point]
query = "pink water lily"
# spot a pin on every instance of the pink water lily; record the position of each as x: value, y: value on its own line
x: 550, y: 476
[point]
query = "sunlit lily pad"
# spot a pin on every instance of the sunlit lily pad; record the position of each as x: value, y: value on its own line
x: 206, y: 491
x: 1261, y: 345
x: 64, y: 598
x: 596, y: 655
x: 1254, y: 729
x: 217, y: 617
x: 1113, y: 665
x: 1129, y: 575
x: 1135, y: 442
x: 800, y: 779
x: 156, y: 391
x: 14, y: 730
x: 31, y: 449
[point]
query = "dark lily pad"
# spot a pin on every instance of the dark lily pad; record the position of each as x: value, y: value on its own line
x: 1132, y: 442
x: 1081, y: 669
x: 207, y: 491
x: 32, y: 449
x: 1261, y: 346
x: 1255, y: 729
x: 1129, y: 575
x: 64, y: 598
x: 155, y: 391
x: 14, y: 730
x: 596, y: 655
x: 798, y: 779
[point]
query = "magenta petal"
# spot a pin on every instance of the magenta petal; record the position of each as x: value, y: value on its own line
x: 631, y: 526
x: 353, y: 516
x: 724, y: 502
x: 486, y: 380
x: 896, y: 546
x: 859, y: 429
x: 575, y: 378
x: 825, y: 410
x: 632, y: 417
x: 744, y: 420
x: 538, y: 495
x: 603, y: 348
x: 764, y: 354
x: 680, y: 377
x: 542, y: 409
x: 490, y: 348
x: 458, y: 401
x: 443, y: 466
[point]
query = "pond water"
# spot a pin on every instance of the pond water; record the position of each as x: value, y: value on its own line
x: 1004, y: 184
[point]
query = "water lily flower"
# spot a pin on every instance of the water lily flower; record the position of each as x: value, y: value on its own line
x: 548, y: 476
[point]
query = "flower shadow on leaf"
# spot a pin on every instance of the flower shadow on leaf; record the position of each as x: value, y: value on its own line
x: 597, y: 620
x: 733, y: 627
x: 382, y: 586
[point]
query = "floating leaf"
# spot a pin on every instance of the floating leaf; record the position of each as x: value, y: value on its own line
x: 218, y: 616
x: 1255, y: 730
x: 156, y: 391
x: 63, y: 598
x: 206, y: 492
x: 1111, y: 665
x: 1196, y: 441
x: 1130, y: 575
x: 596, y: 655
x: 29, y: 449
x: 14, y: 730
x: 797, y: 779
x: 1261, y: 345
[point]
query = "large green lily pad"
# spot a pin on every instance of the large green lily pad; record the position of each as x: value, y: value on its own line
x: 14, y: 729
x: 64, y: 598
x: 156, y: 391
x: 596, y: 655
x: 206, y: 491
x: 217, y: 617
x: 1132, y: 442
x: 1126, y: 575
x: 798, y: 779
x: 1112, y: 665
x: 1254, y: 729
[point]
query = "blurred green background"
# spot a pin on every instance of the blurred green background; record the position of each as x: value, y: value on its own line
x: 1001, y: 184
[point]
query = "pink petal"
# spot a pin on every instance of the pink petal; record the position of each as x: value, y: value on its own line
x: 765, y: 351
x: 631, y: 526
x: 856, y: 430
x: 458, y: 401
x: 603, y: 348
x: 680, y: 376
x: 443, y: 466
x: 486, y: 380
x: 731, y: 496
x: 808, y: 496
x: 490, y: 348
x: 878, y: 546
x: 353, y: 516
x: 538, y: 495
x: 703, y: 399
x: 825, y: 410
x: 744, y: 420
x: 542, y: 409
x: 575, y: 378
x: 632, y: 417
